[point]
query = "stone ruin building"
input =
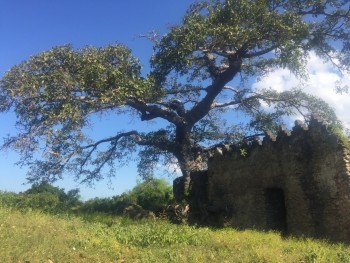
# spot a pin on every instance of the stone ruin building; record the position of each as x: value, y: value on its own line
x: 296, y: 182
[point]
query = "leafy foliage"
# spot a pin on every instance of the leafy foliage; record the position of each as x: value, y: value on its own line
x: 46, y: 202
x: 114, y: 205
x: 9, y: 199
x: 224, y: 27
x: 44, y: 197
x: 150, y: 195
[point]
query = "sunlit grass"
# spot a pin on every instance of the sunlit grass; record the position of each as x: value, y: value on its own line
x: 36, y: 237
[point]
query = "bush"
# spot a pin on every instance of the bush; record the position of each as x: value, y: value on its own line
x: 152, y: 194
x: 70, y: 198
x: 9, y: 199
x: 42, y: 196
x: 46, y: 202
x: 114, y: 205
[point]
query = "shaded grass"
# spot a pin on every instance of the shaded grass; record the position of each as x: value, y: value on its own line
x: 36, y: 237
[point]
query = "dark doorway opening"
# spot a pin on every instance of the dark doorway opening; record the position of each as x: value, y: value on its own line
x: 276, y: 214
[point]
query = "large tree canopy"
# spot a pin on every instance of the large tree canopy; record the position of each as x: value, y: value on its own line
x: 200, y: 74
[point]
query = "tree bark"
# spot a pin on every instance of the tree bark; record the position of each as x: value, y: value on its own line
x: 189, y: 160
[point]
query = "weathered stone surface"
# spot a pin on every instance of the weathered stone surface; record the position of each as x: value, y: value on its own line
x: 298, y: 183
x: 178, y: 186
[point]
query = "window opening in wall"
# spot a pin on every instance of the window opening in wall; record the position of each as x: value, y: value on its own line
x: 276, y: 214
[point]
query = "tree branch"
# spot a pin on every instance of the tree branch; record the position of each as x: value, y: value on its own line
x: 185, y: 90
x: 261, y: 52
x: 204, y: 106
x: 210, y: 63
x: 150, y: 112
x: 111, y: 139
x: 94, y: 146
x: 216, y: 105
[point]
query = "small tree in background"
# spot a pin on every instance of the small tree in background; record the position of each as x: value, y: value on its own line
x: 49, y: 198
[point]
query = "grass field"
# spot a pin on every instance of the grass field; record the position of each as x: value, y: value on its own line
x: 29, y: 236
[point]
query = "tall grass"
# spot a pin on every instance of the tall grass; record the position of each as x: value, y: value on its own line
x: 30, y: 236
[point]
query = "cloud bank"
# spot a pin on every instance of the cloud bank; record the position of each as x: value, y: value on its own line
x: 321, y: 83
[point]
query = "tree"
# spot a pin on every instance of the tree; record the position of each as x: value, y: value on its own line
x: 200, y: 74
x: 65, y: 199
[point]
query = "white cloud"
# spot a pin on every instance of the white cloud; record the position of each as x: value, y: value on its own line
x: 321, y: 83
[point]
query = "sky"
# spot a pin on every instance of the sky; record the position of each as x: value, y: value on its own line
x: 30, y: 27
x: 321, y: 83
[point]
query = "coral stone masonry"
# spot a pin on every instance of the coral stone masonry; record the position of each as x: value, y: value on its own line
x: 297, y: 182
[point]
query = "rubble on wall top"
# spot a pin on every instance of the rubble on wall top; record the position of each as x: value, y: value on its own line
x: 270, y: 136
x: 299, y: 125
x: 283, y: 131
x: 316, y: 122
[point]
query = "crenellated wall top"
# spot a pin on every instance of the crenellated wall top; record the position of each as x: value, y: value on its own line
x: 299, y: 130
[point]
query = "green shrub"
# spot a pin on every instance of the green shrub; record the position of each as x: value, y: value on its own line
x: 9, y: 199
x: 112, y: 205
x: 97, y: 205
x: 42, y: 196
x: 46, y: 202
x: 152, y: 194
x: 71, y: 198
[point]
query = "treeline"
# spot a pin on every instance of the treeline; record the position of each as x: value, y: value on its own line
x: 152, y: 195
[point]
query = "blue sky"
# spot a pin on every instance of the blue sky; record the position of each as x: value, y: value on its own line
x: 30, y: 27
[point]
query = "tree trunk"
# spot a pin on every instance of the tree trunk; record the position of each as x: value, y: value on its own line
x: 188, y: 165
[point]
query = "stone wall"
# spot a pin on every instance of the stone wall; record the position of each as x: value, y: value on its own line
x: 297, y: 182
